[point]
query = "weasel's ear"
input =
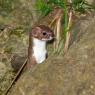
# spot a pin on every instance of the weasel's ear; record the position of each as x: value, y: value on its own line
x: 33, y: 33
x: 36, y: 31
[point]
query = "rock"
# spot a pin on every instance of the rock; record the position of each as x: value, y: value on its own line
x: 2, y: 69
x: 17, y: 61
x: 6, y: 76
x: 71, y: 74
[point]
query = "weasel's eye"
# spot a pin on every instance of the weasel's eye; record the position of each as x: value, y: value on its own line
x: 44, y: 33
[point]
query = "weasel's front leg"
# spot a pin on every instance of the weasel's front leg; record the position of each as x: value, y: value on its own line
x: 31, y: 61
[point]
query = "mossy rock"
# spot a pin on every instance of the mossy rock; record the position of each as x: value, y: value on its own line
x: 71, y: 74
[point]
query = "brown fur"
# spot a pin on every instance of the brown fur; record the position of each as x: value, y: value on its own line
x: 31, y: 59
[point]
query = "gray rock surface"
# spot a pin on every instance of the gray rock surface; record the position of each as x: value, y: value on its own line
x: 71, y: 74
x: 6, y: 76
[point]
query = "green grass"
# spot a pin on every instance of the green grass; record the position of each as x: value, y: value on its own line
x: 80, y: 6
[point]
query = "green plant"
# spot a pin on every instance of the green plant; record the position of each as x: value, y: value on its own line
x: 63, y: 18
x: 81, y: 5
x: 43, y: 7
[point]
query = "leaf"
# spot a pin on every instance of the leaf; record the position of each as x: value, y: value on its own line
x: 43, y: 7
x: 59, y: 3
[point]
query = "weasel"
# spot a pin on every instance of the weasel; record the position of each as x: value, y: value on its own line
x: 37, y: 52
x: 38, y: 38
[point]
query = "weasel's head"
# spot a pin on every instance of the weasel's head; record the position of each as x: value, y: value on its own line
x: 43, y: 33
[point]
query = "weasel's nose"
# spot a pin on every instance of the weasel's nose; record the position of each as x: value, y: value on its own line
x: 51, y: 34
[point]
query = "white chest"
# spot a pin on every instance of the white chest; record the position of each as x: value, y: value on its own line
x: 39, y: 50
